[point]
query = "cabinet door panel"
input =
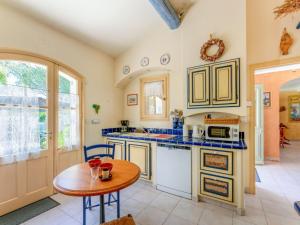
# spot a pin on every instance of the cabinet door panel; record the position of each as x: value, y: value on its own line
x: 119, y: 148
x: 216, y: 187
x: 217, y: 161
x: 225, y: 83
x: 198, y: 86
x: 139, y: 153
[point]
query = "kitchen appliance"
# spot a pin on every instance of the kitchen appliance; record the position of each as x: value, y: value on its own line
x: 174, y: 169
x: 198, y: 131
x: 222, y: 132
x: 124, y: 125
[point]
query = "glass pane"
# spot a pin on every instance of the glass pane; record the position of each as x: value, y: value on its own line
x: 22, y: 96
x: 154, y: 105
x: 23, y: 107
x: 23, y: 130
x: 153, y: 97
x: 68, y: 114
x: 67, y: 84
x: 24, y: 74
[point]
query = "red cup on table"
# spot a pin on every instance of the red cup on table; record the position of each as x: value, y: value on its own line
x: 94, y: 166
x: 106, y: 170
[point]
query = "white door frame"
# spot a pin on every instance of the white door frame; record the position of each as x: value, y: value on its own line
x: 259, y: 124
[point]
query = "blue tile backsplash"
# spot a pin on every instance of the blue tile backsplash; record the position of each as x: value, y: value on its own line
x: 150, y: 130
x: 178, y: 139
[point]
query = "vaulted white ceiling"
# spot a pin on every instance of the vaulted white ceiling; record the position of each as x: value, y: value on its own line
x: 110, y: 25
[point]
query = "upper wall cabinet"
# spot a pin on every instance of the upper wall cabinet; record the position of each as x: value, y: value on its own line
x: 214, y: 85
x: 198, y: 86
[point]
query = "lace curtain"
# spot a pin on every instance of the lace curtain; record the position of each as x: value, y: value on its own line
x: 68, y: 134
x: 153, y: 92
x: 68, y: 115
x: 21, y: 130
x: 24, y: 110
x: 153, y: 89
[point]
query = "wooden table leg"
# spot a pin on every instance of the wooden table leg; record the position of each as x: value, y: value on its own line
x: 102, y: 211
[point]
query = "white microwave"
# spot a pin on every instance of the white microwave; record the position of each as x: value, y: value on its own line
x: 222, y: 132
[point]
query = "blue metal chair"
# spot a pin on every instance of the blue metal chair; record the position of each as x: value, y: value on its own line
x: 87, y: 202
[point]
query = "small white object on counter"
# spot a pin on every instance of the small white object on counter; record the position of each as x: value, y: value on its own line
x: 198, y: 131
x: 185, y: 130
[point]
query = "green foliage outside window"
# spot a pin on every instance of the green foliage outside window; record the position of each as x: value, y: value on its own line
x: 64, y: 85
x: 3, y: 78
x: 61, y: 136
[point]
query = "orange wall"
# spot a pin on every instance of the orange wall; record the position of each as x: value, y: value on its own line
x: 272, y: 83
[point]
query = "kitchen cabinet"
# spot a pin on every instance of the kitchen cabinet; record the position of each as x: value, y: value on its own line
x: 225, y: 83
x: 198, y: 86
x: 217, y: 161
x: 214, y: 85
x: 140, y: 154
x: 217, y: 187
x: 120, y: 148
x: 221, y: 176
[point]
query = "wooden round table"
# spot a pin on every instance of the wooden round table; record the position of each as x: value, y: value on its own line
x: 77, y: 181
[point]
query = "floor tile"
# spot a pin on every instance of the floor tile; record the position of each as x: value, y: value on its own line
x: 132, y: 206
x: 165, y: 203
x: 286, y: 210
x: 216, y: 215
x: 239, y: 222
x: 145, y: 196
x: 253, y: 202
x: 188, y: 211
x: 254, y: 216
x: 281, y: 220
x: 152, y: 216
x: 175, y: 220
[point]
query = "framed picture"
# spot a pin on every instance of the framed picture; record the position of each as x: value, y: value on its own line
x: 294, y: 108
x: 132, y: 99
x: 267, y: 99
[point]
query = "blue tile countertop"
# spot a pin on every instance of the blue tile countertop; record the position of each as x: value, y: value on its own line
x: 179, y: 139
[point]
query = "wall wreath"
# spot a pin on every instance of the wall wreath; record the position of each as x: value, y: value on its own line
x: 210, y: 43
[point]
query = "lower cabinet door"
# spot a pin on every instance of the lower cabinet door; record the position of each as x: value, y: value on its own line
x: 216, y: 161
x: 140, y: 154
x: 119, y: 148
x: 216, y: 187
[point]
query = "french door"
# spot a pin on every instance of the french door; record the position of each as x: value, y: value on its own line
x: 40, y: 127
x: 69, y: 119
x: 259, y: 124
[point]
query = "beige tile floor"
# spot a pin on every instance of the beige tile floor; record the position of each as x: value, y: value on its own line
x: 272, y: 205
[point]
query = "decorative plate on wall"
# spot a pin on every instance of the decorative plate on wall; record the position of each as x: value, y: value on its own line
x: 145, y: 61
x: 165, y: 59
x: 126, y: 69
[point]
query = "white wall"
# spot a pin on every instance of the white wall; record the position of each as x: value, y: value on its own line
x: 264, y: 32
x: 225, y: 19
x: 22, y: 33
